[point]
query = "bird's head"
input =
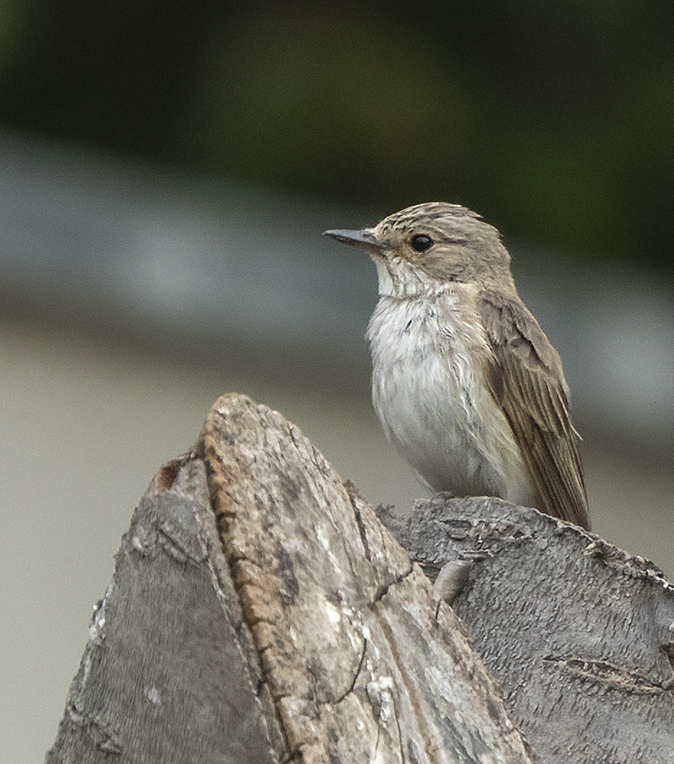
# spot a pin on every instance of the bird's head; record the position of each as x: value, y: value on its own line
x: 424, y: 248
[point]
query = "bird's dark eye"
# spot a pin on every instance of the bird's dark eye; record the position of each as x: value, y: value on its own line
x: 421, y: 242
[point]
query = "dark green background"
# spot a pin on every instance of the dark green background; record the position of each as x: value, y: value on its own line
x: 553, y: 119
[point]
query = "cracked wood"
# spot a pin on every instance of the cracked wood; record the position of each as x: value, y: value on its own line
x: 260, y: 612
x: 578, y: 633
x: 356, y: 662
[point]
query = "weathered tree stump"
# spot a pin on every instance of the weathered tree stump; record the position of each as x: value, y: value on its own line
x: 260, y: 612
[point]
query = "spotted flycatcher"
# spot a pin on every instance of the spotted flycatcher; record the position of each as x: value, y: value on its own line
x: 466, y: 384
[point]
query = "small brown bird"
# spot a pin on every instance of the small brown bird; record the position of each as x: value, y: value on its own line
x: 466, y: 384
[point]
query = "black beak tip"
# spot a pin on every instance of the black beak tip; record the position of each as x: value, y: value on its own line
x: 353, y: 238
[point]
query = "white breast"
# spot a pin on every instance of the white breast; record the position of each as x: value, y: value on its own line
x: 428, y: 352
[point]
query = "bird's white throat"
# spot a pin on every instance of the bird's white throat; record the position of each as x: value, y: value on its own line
x: 428, y: 354
x: 399, y: 278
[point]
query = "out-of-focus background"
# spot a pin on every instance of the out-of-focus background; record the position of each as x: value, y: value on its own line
x: 166, y: 170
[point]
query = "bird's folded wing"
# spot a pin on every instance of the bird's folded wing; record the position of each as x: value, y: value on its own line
x: 526, y: 379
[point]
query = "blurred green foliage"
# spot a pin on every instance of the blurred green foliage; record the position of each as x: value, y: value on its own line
x: 554, y: 119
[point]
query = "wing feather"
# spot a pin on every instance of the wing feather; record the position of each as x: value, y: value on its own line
x: 526, y: 379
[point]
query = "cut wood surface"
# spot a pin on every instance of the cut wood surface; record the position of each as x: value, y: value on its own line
x: 260, y: 612
x: 577, y: 632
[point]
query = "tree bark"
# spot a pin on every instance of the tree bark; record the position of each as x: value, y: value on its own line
x: 259, y: 612
x: 577, y: 633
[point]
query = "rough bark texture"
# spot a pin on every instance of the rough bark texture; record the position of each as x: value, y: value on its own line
x: 164, y: 676
x: 260, y: 612
x: 577, y: 633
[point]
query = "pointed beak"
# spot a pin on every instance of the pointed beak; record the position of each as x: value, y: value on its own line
x: 364, y: 238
